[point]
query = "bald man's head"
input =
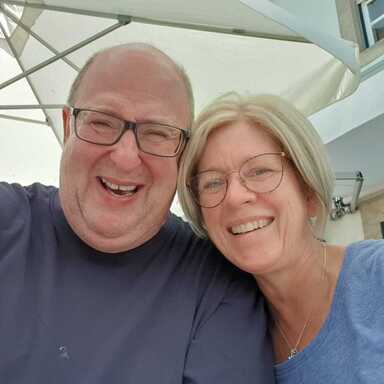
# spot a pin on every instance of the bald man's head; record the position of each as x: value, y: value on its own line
x: 116, y: 195
x: 123, y: 51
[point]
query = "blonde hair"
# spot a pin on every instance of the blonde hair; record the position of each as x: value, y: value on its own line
x: 295, y: 133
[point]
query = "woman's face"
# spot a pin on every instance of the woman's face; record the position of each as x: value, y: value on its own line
x: 254, y: 230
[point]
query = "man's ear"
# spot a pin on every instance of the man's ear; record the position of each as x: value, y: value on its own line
x: 66, y: 123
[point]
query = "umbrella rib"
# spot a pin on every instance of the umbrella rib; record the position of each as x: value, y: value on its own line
x: 48, y: 120
x: 222, y: 30
x: 37, y: 37
x: 23, y: 119
x: 196, y: 27
x: 32, y: 106
x: 106, y: 15
x: 51, y: 60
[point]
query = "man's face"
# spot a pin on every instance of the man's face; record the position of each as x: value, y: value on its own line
x: 133, y: 85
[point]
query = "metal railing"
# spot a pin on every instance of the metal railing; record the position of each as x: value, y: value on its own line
x: 340, y: 207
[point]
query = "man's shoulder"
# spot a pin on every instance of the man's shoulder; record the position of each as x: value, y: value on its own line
x: 24, y: 213
x: 182, y: 237
x: 16, y: 199
x: 15, y: 191
x: 202, y: 254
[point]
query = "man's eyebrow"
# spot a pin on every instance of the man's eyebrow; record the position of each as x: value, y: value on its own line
x: 107, y: 111
x: 151, y: 119
x: 160, y: 121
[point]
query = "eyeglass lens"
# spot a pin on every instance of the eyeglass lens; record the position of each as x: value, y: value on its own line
x: 262, y: 173
x: 104, y: 129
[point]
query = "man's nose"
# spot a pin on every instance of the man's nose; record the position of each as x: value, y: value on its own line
x: 126, y: 153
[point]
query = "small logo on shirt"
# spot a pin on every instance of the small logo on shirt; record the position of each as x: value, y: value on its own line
x: 63, y: 352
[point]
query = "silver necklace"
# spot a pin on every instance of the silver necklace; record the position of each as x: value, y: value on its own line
x: 293, y: 349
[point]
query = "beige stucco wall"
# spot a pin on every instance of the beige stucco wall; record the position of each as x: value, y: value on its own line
x: 372, y: 213
x: 345, y: 230
x: 363, y: 224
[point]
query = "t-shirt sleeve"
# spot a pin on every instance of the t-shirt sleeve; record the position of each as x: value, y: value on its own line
x: 13, y: 201
x: 14, y: 214
x: 230, y: 345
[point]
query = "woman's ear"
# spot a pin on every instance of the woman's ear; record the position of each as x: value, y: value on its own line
x: 312, y: 203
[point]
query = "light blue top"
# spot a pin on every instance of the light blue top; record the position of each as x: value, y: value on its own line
x: 350, y: 346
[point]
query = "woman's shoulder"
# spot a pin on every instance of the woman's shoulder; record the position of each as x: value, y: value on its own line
x: 366, y: 258
x: 366, y: 248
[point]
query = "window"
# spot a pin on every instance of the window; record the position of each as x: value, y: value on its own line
x: 362, y: 21
x: 372, y: 17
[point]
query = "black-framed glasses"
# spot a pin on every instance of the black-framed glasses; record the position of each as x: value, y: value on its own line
x: 262, y: 173
x: 154, y: 138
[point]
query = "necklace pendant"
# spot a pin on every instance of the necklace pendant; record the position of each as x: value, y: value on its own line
x: 292, y: 353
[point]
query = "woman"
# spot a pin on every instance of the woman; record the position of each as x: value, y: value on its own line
x: 255, y: 178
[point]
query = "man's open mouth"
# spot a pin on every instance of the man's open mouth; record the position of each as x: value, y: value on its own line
x: 118, y: 190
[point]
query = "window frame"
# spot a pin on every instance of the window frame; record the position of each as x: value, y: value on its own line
x: 351, y: 29
x: 369, y: 23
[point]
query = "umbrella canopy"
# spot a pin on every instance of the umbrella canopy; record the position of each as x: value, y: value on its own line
x: 251, y: 45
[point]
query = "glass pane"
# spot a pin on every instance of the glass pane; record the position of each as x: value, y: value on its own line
x: 380, y: 24
x: 379, y: 32
x: 376, y: 9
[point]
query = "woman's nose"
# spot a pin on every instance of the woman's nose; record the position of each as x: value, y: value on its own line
x: 237, y: 191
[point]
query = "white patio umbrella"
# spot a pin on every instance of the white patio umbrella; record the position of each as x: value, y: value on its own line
x: 250, y: 45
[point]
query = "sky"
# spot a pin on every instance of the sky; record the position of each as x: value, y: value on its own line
x: 29, y: 152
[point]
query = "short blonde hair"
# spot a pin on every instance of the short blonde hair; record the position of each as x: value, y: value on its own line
x: 295, y: 133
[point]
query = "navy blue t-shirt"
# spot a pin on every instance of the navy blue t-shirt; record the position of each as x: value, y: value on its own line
x: 171, y: 311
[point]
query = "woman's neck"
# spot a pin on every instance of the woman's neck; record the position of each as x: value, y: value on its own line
x: 288, y: 288
x: 299, y: 296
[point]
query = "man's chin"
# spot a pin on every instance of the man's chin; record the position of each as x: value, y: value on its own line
x: 116, y: 240
x: 114, y: 231
x: 109, y: 245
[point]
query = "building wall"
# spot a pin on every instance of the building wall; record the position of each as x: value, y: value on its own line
x: 362, y: 106
x: 372, y: 213
x: 363, y: 224
x: 346, y: 230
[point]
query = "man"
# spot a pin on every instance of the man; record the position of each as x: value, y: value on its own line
x: 98, y: 282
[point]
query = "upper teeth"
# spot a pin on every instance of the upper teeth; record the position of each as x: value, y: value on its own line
x: 116, y: 187
x: 248, y: 227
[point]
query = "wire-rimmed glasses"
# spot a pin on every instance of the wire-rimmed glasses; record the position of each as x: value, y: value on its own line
x: 154, y: 138
x: 262, y: 173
